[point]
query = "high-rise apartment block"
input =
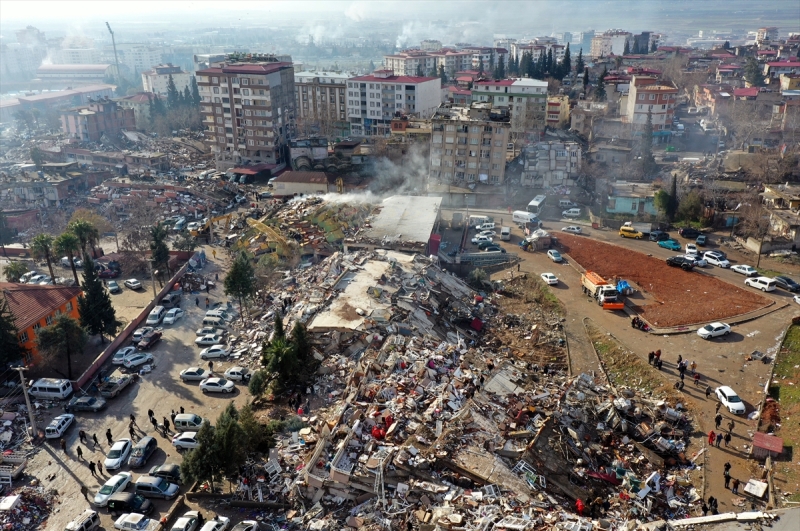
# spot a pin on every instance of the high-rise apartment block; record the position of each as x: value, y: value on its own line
x: 648, y: 95
x: 248, y: 108
x: 320, y: 100
x: 524, y: 98
x: 468, y: 144
x: 373, y: 100
x: 611, y: 42
x: 416, y: 62
x: 157, y: 79
x: 767, y: 34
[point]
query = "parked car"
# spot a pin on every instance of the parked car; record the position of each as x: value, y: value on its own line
x: 478, y: 239
x: 185, y: 441
x: 691, y: 249
x: 173, y: 315
x: 140, y: 358
x: 118, y: 454
x: 719, y: 254
x: 797, y: 299
x: 486, y: 226
x: 715, y: 260
x: 701, y: 240
x: 195, y: 374
x: 670, y: 244
x: 572, y: 229
x: 714, y: 330
x: 555, y: 256
x: 217, y: 351
x: 109, y: 273
x: 698, y: 260
x: 681, y: 261
x: 141, y: 332
x: 113, y: 287
x: 136, y: 522
x: 217, y: 385
x: 121, y: 354
x: 144, y: 448
x: 787, y: 283
x: 550, y: 279
x: 689, y: 233
x: 218, y: 523
x: 211, y: 339
x: 154, y: 487
x: 484, y: 245
x: 730, y: 400
x: 494, y: 249
x: 746, y: 270
x: 87, y: 403
x: 246, y: 525
x: 188, y: 522
x: 169, y: 471
x: 489, y: 233
x: 116, y: 483
x: 149, y: 340
x: 210, y: 330
x: 659, y: 236
x: 239, y: 374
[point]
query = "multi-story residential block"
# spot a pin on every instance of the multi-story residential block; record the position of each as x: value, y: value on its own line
x: 453, y: 61
x: 157, y: 79
x: 773, y: 70
x: 420, y: 62
x: 205, y: 60
x: 320, y: 101
x: 248, y: 108
x: 557, y: 111
x: 19, y: 60
x: 769, y: 34
x: 430, y: 45
x: 537, y: 49
x: 468, y: 144
x: 89, y: 122
x: 488, y: 56
x: 551, y: 164
x: 648, y: 95
x: 373, y: 100
x: 140, y: 104
x: 524, y: 98
x: 77, y: 56
x: 611, y: 42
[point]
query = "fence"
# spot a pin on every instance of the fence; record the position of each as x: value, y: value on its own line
x: 98, y: 362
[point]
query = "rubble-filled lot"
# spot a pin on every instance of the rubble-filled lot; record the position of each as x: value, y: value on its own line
x: 682, y: 298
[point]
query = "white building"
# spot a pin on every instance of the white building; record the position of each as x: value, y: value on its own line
x: 536, y: 50
x: 525, y: 99
x: 157, y: 79
x: 77, y: 56
x: 611, y: 42
x: 136, y: 57
x: 650, y: 96
x: 373, y: 100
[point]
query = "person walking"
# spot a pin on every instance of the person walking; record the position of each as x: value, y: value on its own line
x: 704, y: 508
x: 63, y: 444
x: 727, y: 475
x: 696, y: 379
x: 132, y: 432
x: 717, y: 421
x: 708, y: 391
x: 154, y: 422
x: 207, y: 303
x: 85, y: 491
x: 693, y: 367
x: 216, y: 277
x: 719, y: 439
x: 731, y: 424
x: 172, y: 416
x: 99, y: 466
x: 682, y: 376
x: 210, y: 365
x: 735, y: 486
x: 727, y: 466
x: 82, y: 436
x: 197, y: 301
x: 658, y: 355
x: 166, y: 425
x: 93, y: 468
x: 150, y: 414
x: 182, y: 411
x: 94, y: 440
x: 650, y: 356
x: 711, y: 437
x: 79, y: 451
x: 727, y: 439
x: 719, y: 405
x: 659, y: 363
x: 133, y: 420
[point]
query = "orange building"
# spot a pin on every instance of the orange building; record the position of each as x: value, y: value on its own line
x: 35, y: 306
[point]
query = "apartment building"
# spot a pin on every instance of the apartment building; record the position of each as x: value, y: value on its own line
x: 140, y: 104
x: 320, y: 99
x: 373, y: 100
x: 524, y: 98
x: 88, y: 123
x: 488, y: 56
x: 248, y: 108
x: 769, y: 34
x: 468, y: 144
x: 136, y: 57
x: 157, y: 79
x: 430, y: 45
x: 413, y: 62
x: 77, y: 56
x: 650, y: 95
x: 537, y: 49
x: 557, y: 111
x: 611, y: 42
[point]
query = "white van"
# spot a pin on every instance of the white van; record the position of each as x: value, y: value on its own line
x: 475, y: 221
x: 188, y: 421
x: 566, y: 203
x: 58, y: 426
x: 85, y: 522
x: 521, y: 216
x: 156, y: 315
x: 505, y: 234
x: 762, y: 283
x: 51, y: 389
x: 571, y: 213
x: 216, y: 322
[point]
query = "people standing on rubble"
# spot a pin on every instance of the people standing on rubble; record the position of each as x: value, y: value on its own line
x: 704, y: 508
x: 696, y: 379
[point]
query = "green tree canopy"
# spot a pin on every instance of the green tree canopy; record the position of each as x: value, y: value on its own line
x: 566, y: 63
x: 159, y: 252
x: 753, y: 73
x: 68, y: 244
x: 10, y: 349
x: 94, y: 305
x: 14, y: 270
x: 579, y: 62
x: 230, y: 441
x: 173, y: 95
x: 86, y: 232
x: 185, y: 242
x: 60, y: 340
x: 6, y: 233
x: 42, y: 247
x: 240, y: 282
x: 690, y: 207
x: 196, y: 99
x: 203, y: 463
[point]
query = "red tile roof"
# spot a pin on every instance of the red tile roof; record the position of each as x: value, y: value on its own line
x: 746, y: 92
x: 394, y: 79
x: 32, y: 303
x: 500, y: 83
x: 768, y: 442
x: 778, y: 64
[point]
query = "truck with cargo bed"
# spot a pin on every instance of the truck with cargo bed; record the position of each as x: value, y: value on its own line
x: 114, y: 385
x: 604, y: 293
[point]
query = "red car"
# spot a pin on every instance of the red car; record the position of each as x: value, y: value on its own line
x: 109, y: 273
x: 149, y: 339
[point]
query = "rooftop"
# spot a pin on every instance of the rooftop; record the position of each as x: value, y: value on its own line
x: 394, y: 79
x: 631, y: 189
x: 31, y: 303
x: 246, y: 68
x: 404, y: 218
x: 54, y: 69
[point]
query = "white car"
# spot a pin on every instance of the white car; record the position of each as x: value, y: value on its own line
x: 210, y: 330
x: 185, y: 441
x: 797, y: 299
x: 219, y: 523
x: 714, y: 330
x: 246, y: 525
x: 481, y: 239
x: 217, y: 351
x: 691, y: 249
x: 115, y: 484
x: 136, y: 522
x: 716, y: 260
x: 698, y: 260
x: 173, y: 315
x: 554, y: 255
x: 121, y: 354
x: 132, y: 283
x: 489, y: 233
x: 187, y: 522
x: 239, y: 374
x: 217, y: 385
x: 572, y: 229
x: 118, y: 454
x: 134, y: 360
x: 195, y: 374
x: 140, y: 332
x: 210, y: 339
x: 746, y: 270
x: 730, y: 400
x: 550, y: 278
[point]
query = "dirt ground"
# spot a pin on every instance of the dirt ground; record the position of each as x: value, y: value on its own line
x: 681, y: 298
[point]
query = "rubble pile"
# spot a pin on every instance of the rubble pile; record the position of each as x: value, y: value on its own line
x: 26, y: 508
x: 421, y: 414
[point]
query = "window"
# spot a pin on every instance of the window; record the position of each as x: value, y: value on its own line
x: 23, y: 337
x: 495, y: 178
x: 437, y: 139
x: 495, y: 166
x: 68, y: 307
x: 449, y: 128
x: 448, y: 151
x: 215, y: 80
x: 235, y: 80
x: 652, y: 96
x: 561, y: 153
x: 216, y: 90
x: 497, y: 155
x: 245, y: 92
x: 663, y: 107
x: 473, y: 141
x: 245, y: 81
x: 471, y: 177
x: 49, y: 320
x: 449, y: 140
x: 641, y: 96
x: 36, y: 326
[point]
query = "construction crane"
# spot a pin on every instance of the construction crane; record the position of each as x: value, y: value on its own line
x: 114, y: 44
x: 281, y: 245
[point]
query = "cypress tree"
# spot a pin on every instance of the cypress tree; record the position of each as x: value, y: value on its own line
x: 566, y: 63
x: 627, y: 49
x: 549, y: 68
x: 579, y: 62
x: 173, y: 96
x: 94, y: 305
x: 188, y: 100
x: 501, y: 69
x: 195, y: 92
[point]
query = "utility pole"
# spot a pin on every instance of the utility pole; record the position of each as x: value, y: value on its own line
x: 27, y: 401
x: 114, y: 44
x: 153, y: 279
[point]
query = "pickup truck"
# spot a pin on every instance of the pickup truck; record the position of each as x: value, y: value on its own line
x: 606, y: 294
x: 114, y: 385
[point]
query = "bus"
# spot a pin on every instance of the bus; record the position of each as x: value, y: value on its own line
x: 535, y: 206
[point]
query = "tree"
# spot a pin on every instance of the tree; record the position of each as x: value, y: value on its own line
x: 68, y: 244
x: 24, y: 119
x: 42, y: 247
x: 566, y: 63
x: 617, y: 62
x: 159, y: 252
x: 301, y: 343
x: 550, y: 67
x: 280, y: 359
x: 159, y: 106
x: 94, y: 305
x: 196, y: 99
x: 585, y: 79
x: 477, y: 277
x: 648, y: 160
x: 753, y: 73
x: 690, y: 207
x: 188, y: 101
x: 667, y: 202
x: 725, y: 46
x: 371, y: 67
x: 480, y: 65
x: 173, y: 95
x: 442, y: 74
x: 258, y: 382
x: 229, y: 437
x: 627, y: 49
x: 240, y: 281
x: 100, y: 223
x: 277, y: 327
x: 525, y: 64
x: 253, y: 431
x: 600, y: 89
x: 202, y: 463
x: 10, y: 349
x: 185, y: 242
x: 579, y: 62
x: 37, y: 157
x: 86, y: 232
x: 61, y: 339
x: 501, y: 69
x: 14, y: 270
x: 419, y: 70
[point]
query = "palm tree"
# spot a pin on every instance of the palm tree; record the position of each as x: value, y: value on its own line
x: 14, y: 270
x: 68, y: 244
x: 42, y: 247
x: 86, y: 233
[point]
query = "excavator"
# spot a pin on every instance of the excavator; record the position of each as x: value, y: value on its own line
x: 282, y: 247
x: 205, y: 229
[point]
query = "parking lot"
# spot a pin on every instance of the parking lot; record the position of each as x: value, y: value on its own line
x: 160, y: 390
